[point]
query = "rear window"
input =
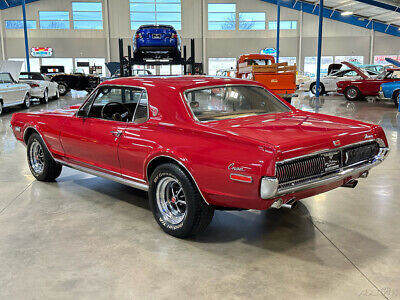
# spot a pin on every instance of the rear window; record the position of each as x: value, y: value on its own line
x: 230, y: 102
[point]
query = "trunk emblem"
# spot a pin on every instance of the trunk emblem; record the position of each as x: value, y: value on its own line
x: 336, y: 143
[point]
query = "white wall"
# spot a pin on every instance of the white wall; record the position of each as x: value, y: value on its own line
x: 339, y: 38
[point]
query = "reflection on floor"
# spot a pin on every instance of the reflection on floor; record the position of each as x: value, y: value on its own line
x: 86, y: 237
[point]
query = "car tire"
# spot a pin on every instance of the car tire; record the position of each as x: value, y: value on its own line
x: 176, y: 203
x: 396, y: 99
x: 321, y: 88
x: 1, y: 108
x: 57, y: 96
x: 40, y: 161
x: 352, y: 93
x: 27, y: 101
x: 62, y: 88
x: 45, y: 98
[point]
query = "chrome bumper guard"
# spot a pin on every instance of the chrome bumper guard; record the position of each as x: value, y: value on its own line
x: 270, y: 185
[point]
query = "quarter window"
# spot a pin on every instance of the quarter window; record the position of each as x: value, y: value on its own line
x: 87, y: 15
x: 19, y: 24
x: 158, y: 12
x: 54, y: 19
x: 221, y: 16
x: 252, y: 21
x: 141, y: 114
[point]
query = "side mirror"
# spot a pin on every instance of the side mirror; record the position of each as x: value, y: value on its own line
x: 81, y: 114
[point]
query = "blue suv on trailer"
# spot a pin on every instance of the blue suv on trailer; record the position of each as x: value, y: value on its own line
x: 157, y: 41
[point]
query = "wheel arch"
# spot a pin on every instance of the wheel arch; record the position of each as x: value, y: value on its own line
x: 162, y: 159
x: 395, y: 93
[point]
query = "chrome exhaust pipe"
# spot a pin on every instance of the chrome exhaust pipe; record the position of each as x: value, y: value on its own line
x: 351, y: 184
x: 292, y: 203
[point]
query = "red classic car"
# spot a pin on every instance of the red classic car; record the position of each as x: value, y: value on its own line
x: 366, y: 86
x: 200, y: 143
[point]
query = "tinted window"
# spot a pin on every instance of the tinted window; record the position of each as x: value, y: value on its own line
x: 229, y: 102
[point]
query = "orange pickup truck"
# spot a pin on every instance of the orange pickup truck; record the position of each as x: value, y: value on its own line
x: 279, y: 77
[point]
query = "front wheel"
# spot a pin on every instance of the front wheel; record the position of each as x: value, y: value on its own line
x: 176, y: 202
x: 352, y: 93
x: 27, y: 101
x: 41, y: 163
x: 313, y: 88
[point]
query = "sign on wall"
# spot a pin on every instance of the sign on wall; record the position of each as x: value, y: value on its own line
x: 42, y: 52
x: 269, y: 51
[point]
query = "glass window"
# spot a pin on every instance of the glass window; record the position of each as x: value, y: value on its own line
x: 221, y: 16
x: 230, y: 102
x: 252, y: 21
x: 31, y: 76
x: 19, y: 24
x: 141, y: 113
x: 291, y: 60
x: 34, y: 62
x: 310, y: 65
x: 285, y: 25
x: 87, y: 15
x: 54, y: 19
x: 220, y: 64
x: 6, y: 78
x: 92, y: 64
x: 357, y: 60
x: 158, y: 12
x: 115, y: 103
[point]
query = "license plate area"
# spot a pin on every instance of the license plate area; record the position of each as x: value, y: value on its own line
x: 157, y: 36
x: 332, y: 160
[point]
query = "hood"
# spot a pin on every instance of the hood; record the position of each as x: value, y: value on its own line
x: 359, y: 71
x: 12, y: 67
x: 393, y: 61
x: 297, y: 133
x: 332, y: 68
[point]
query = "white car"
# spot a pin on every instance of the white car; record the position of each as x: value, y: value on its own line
x: 41, y: 86
x: 300, y: 79
x: 13, y: 93
x: 328, y: 82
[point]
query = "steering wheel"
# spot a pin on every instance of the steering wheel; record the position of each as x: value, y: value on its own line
x: 116, y: 116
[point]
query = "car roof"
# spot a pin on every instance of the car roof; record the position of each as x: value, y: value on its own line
x: 176, y: 82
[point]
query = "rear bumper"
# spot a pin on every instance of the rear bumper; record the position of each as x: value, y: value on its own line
x: 37, y: 92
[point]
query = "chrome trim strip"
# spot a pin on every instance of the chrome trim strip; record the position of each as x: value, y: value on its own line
x: 343, y: 173
x: 182, y: 165
x: 326, y: 150
x: 137, y: 185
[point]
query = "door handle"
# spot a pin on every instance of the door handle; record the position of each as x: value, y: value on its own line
x: 117, y: 133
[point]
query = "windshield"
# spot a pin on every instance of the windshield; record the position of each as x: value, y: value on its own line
x: 230, y: 102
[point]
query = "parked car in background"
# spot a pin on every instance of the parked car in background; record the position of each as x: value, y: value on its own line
x: 41, y: 86
x: 328, y: 82
x: 374, y: 68
x: 198, y: 143
x: 390, y: 90
x: 226, y: 73
x: 366, y: 85
x: 157, y: 41
x: 13, y: 93
x: 300, y: 79
x: 67, y: 82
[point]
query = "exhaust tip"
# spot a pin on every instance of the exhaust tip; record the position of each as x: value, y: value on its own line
x: 351, y: 184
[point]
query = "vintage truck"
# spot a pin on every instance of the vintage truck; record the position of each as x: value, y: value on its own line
x: 278, y: 77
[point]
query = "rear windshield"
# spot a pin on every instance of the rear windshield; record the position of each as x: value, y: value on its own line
x: 230, y: 102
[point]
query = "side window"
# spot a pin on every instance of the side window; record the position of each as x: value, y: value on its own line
x: 6, y: 78
x: 141, y: 114
x: 115, y: 103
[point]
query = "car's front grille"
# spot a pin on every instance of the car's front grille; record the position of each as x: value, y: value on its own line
x: 295, y: 171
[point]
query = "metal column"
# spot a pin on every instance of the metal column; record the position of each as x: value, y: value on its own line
x: 319, y: 51
x: 278, y: 27
x: 28, y: 64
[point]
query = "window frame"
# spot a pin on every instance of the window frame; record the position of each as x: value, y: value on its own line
x: 282, y: 21
x: 88, y: 11
x: 93, y: 96
x: 235, y: 22
x: 155, y: 12
x: 22, y: 21
x: 54, y: 20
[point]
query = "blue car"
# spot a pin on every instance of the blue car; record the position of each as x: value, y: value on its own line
x: 157, y: 41
x: 390, y: 90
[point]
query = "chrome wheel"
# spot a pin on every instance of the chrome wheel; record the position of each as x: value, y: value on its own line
x: 27, y: 101
x: 36, y: 157
x: 62, y: 89
x: 352, y: 93
x: 171, y: 200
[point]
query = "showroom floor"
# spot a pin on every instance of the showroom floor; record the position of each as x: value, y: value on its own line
x: 84, y: 237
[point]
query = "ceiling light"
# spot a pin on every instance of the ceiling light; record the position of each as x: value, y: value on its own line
x: 346, y: 13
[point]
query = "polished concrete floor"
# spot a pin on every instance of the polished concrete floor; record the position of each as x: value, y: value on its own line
x: 83, y: 237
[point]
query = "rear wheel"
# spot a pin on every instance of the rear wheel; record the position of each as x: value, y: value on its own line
x: 40, y: 161
x: 1, y: 107
x: 352, y: 93
x: 62, y: 88
x: 57, y: 96
x: 176, y: 203
x: 45, y: 98
x: 396, y: 99
x: 27, y: 101
x: 313, y: 88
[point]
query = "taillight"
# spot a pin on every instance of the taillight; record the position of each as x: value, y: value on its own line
x: 174, y: 36
x: 138, y: 35
x: 34, y: 85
